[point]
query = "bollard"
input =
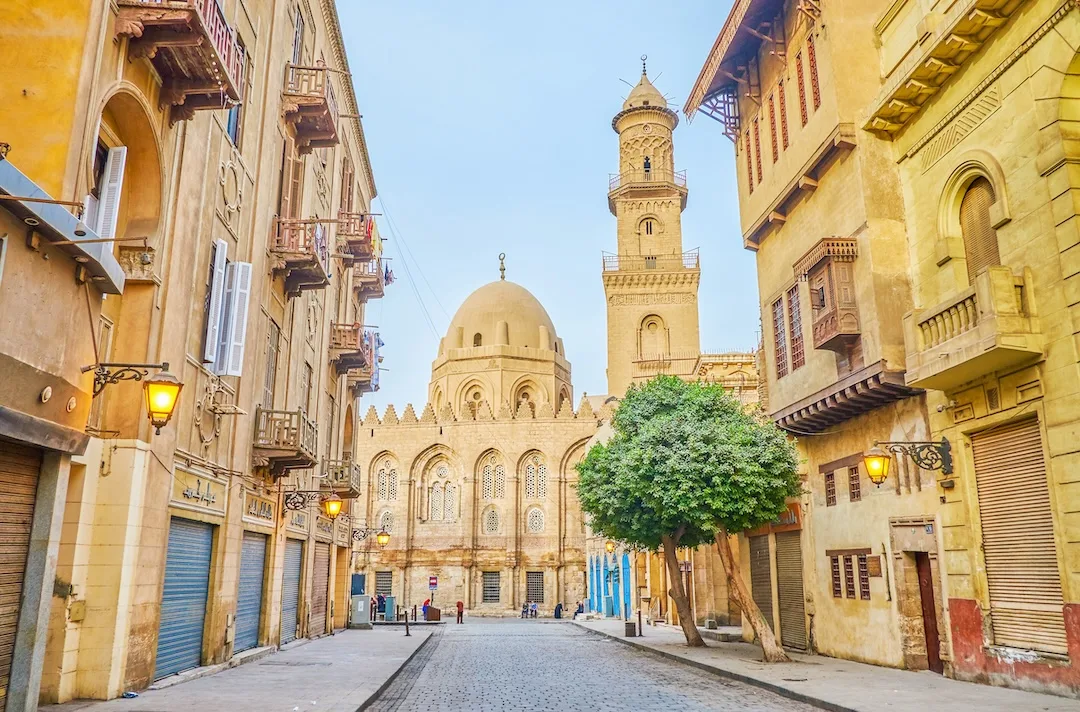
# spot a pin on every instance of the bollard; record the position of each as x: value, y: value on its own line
x: 414, y: 613
x: 407, y: 633
x: 639, y: 633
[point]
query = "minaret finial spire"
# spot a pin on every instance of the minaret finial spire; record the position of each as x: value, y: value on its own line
x: 502, y: 266
x: 643, y: 58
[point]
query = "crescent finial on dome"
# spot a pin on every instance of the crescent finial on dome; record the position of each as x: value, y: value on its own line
x: 502, y: 266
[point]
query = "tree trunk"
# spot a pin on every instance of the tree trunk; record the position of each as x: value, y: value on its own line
x: 770, y: 648
x: 679, y: 595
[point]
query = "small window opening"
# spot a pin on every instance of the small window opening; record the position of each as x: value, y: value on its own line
x: 477, y: 339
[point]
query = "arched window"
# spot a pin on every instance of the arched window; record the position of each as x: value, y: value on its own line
x: 477, y: 339
x: 435, y: 510
x: 393, y: 486
x: 530, y: 481
x: 648, y: 166
x: 536, y: 520
x: 488, y: 486
x: 491, y: 521
x: 652, y: 337
x: 500, y: 481
x: 535, y: 478
x: 980, y: 238
x: 386, y: 521
x: 648, y: 226
x: 387, y: 481
x: 492, y: 479
x: 450, y: 503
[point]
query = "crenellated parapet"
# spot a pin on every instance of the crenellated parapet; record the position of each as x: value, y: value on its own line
x: 482, y: 411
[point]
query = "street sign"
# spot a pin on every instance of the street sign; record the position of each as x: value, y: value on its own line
x: 685, y: 566
x: 432, y: 583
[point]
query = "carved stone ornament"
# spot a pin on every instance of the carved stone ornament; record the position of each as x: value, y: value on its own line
x: 137, y: 263
x: 209, y: 409
x: 232, y: 186
x: 312, y: 322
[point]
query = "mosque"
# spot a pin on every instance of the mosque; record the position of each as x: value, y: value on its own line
x: 478, y: 490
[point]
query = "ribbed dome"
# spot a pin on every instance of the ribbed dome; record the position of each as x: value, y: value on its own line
x: 503, y: 301
x: 644, y: 94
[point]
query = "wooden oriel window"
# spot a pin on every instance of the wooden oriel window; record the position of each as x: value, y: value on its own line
x: 811, y: 57
x: 830, y: 489
x: 802, y: 88
x: 837, y: 587
x: 849, y: 577
x: 757, y: 149
x: 780, y: 338
x: 749, y: 163
x: 864, y: 578
x: 772, y: 130
x: 782, y: 98
x: 854, y: 484
x: 980, y: 238
x: 798, y: 353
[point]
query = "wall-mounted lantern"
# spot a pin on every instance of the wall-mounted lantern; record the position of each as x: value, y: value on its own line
x: 926, y: 455
x: 162, y: 390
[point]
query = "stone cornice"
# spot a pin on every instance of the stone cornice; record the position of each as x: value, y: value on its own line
x: 680, y: 278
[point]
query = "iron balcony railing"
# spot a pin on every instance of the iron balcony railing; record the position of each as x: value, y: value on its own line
x: 642, y: 177
x: 640, y: 263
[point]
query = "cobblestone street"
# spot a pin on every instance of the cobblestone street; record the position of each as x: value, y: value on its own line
x: 539, y: 665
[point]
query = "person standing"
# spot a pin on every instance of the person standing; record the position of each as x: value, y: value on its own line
x: 460, y: 612
x: 558, y: 610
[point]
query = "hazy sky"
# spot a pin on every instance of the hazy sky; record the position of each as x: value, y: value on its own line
x: 489, y: 128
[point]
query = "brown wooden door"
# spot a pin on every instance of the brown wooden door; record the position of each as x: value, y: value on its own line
x: 929, y: 612
x: 320, y: 581
x: 19, y: 470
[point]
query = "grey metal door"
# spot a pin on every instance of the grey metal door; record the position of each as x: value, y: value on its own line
x: 320, y: 582
x: 290, y: 588
x: 183, y: 600
x: 249, y: 600
x: 761, y: 576
x: 789, y: 589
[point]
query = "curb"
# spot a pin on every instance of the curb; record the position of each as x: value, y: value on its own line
x: 393, y: 676
x: 242, y: 658
x: 721, y: 672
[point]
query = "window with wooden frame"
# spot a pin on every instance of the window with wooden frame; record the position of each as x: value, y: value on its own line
x: 802, y: 88
x: 811, y: 58
x: 837, y: 587
x: 347, y: 179
x: 779, y: 338
x: 980, y: 238
x: 849, y: 577
x: 307, y: 378
x: 830, y: 489
x: 864, y: 578
x: 298, y: 38
x: 782, y: 98
x: 235, y: 121
x: 854, y: 484
x: 798, y: 353
x: 749, y: 163
x: 757, y: 149
x: 772, y: 130
x: 273, y: 339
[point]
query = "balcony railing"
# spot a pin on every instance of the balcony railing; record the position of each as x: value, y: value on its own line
x: 309, y: 102
x: 351, y: 347
x: 191, y: 46
x: 368, y: 279
x: 989, y: 326
x: 301, y: 248
x: 364, y: 378
x: 356, y: 237
x: 286, y: 438
x: 641, y: 263
x: 626, y: 178
x: 342, y: 477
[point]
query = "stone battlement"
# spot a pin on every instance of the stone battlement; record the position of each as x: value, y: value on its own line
x: 483, y: 412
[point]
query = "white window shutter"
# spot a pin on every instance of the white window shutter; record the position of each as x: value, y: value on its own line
x: 217, y: 289
x: 221, y: 357
x: 90, y: 212
x: 241, y: 293
x: 109, y: 209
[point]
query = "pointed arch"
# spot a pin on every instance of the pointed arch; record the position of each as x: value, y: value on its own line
x: 533, y: 471
x: 466, y: 396
x: 383, y: 475
x: 491, y: 475
x: 572, y: 457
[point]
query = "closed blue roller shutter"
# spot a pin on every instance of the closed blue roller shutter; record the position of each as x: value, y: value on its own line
x: 290, y: 588
x: 249, y: 601
x: 183, y: 602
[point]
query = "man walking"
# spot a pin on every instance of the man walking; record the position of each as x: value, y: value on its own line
x: 460, y: 612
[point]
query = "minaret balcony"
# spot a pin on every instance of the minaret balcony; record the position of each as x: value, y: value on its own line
x: 308, y: 103
x: 299, y: 249
x: 688, y: 261
x: 642, y: 184
x: 341, y: 477
x: 285, y: 440
x: 368, y: 280
x: 192, y: 48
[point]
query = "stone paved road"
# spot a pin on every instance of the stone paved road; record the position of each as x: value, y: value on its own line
x: 540, y: 665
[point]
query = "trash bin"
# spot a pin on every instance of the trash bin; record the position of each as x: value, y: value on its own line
x: 631, y: 629
x: 434, y: 614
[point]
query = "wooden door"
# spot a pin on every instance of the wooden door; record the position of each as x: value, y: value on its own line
x: 929, y: 611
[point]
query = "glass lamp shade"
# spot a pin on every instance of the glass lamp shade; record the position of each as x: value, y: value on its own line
x: 332, y: 506
x: 877, y: 462
x: 162, y: 393
x: 610, y: 547
x: 382, y: 538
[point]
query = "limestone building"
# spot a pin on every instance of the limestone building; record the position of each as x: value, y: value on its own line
x: 478, y: 489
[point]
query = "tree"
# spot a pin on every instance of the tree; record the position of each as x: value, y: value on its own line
x: 686, y: 465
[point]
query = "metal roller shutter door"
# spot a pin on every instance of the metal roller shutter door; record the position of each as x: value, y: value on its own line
x: 183, y: 601
x: 19, y: 470
x: 249, y: 600
x: 320, y: 579
x: 761, y: 576
x: 1018, y: 538
x: 290, y: 588
x: 789, y: 588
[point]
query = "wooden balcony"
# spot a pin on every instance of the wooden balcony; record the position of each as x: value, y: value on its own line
x: 368, y: 280
x: 284, y: 440
x: 643, y: 184
x: 364, y: 378
x: 308, y: 103
x: 988, y: 327
x: 356, y: 241
x: 342, y: 477
x: 192, y: 48
x: 348, y: 347
x: 299, y: 249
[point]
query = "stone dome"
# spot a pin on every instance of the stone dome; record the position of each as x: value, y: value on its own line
x: 644, y: 94
x: 480, y: 315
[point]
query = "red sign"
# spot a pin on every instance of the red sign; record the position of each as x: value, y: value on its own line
x: 432, y: 583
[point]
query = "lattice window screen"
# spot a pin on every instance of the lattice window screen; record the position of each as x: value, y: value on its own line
x: 450, y: 505
x: 436, y: 503
x: 393, y: 485
x: 500, y: 482
x: 386, y: 522
x: 536, y: 521
x: 383, y: 484
x: 534, y: 586
x: 492, y: 587
x: 530, y: 481
x: 541, y: 481
x: 489, y: 483
x: 491, y: 522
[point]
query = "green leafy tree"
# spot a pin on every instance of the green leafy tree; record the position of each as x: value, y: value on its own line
x: 687, y: 465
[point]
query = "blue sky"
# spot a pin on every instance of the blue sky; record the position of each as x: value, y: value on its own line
x: 489, y: 128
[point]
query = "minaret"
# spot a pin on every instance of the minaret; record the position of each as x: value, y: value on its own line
x: 651, y: 286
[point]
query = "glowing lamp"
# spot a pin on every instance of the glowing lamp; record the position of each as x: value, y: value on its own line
x: 162, y: 391
x: 877, y: 462
x: 332, y: 506
x: 609, y: 546
x: 382, y: 538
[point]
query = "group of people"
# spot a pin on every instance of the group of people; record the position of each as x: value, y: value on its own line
x: 529, y: 609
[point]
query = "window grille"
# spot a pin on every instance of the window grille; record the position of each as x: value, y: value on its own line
x: 780, y: 337
x: 854, y: 484
x: 489, y: 483
x: 386, y: 522
x: 492, y: 587
x: 436, y: 503
x: 491, y: 522
x: 500, y: 482
x: 749, y: 163
x: 798, y: 353
x: 811, y: 57
x: 384, y: 583
x: 849, y: 577
x: 772, y: 130
x: 830, y: 489
x: 450, y: 504
x: 837, y: 588
x: 536, y: 521
x: 392, y: 488
x: 384, y: 480
x: 757, y: 149
x: 541, y: 481
x: 534, y: 586
x: 530, y: 481
x: 782, y: 97
x: 864, y: 578
x: 802, y: 88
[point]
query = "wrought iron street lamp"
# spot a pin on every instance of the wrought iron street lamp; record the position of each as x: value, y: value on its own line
x: 332, y: 506
x: 382, y: 537
x: 925, y: 455
x: 162, y: 390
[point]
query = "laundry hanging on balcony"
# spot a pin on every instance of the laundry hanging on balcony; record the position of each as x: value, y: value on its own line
x: 388, y: 276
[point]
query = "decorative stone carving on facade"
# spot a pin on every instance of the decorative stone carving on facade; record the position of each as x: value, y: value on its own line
x: 483, y: 411
x: 504, y: 412
x: 566, y: 412
x: 232, y: 186
x: 524, y: 412
x: 545, y: 411
x: 372, y: 417
x: 967, y: 121
x: 585, y: 409
x: 390, y: 417
x: 428, y: 416
x: 446, y: 414
x: 138, y: 264
x: 409, y: 416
